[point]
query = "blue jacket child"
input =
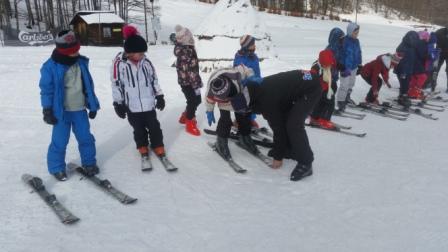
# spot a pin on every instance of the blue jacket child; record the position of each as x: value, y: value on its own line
x: 352, y: 48
x: 66, y: 92
x: 247, y: 56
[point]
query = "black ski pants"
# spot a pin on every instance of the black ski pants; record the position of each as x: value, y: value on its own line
x: 146, y: 126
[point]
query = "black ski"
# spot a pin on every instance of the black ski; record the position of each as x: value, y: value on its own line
x: 415, y: 111
x: 263, y: 158
x: 264, y: 131
x: 167, y: 163
x: 267, y: 143
x: 236, y: 167
x: 339, y: 130
x: 348, y: 114
x: 36, y: 183
x: 105, y: 185
x: 384, y: 112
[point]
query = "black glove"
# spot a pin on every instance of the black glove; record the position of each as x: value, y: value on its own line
x: 120, y: 110
x: 173, y: 37
x: 92, y: 114
x: 49, y: 116
x: 358, y: 71
x: 160, y: 102
x: 340, y: 67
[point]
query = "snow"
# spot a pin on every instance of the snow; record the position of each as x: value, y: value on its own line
x: 227, y: 22
x: 104, y: 18
x: 386, y: 192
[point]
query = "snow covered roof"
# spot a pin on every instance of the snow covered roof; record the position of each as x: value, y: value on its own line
x: 101, y: 17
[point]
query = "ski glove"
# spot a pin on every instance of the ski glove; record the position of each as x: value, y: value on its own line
x: 49, y: 116
x: 92, y: 114
x: 120, y: 110
x: 346, y: 73
x: 160, y: 102
x: 173, y: 37
x: 358, y: 71
x: 210, y: 118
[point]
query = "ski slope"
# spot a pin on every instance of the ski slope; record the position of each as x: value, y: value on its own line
x: 386, y: 192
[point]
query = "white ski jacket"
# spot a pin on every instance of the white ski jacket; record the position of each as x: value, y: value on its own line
x: 134, y: 85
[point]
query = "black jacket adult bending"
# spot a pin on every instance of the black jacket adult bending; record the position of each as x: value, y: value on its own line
x: 285, y: 100
x: 442, y: 41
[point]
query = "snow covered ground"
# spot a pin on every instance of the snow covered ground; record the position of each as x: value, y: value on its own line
x: 386, y: 192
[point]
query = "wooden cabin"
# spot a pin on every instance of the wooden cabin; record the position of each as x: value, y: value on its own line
x: 98, y: 28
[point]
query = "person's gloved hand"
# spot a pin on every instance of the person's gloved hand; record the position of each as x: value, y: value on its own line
x: 346, y: 72
x: 160, y: 102
x: 120, y: 110
x: 358, y: 71
x: 173, y: 37
x: 210, y: 118
x: 49, y: 116
x: 92, y: 114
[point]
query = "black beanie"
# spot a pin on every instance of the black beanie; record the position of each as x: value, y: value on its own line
x: 135, y: 44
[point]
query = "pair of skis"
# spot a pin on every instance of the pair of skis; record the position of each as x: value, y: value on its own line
x: 58, y: 208
x: 413, y: 110
x: 342, y: 129
x: 147, y: 164
x: 349, y: 114
x: 379, y: 110
x: 235, y: 166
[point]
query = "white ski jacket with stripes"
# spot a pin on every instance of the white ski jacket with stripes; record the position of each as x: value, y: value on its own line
x: 134, y: 85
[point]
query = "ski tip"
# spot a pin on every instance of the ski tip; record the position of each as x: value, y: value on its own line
x: 70, y: 221
x: 27, y: 177
x: 129, y: 201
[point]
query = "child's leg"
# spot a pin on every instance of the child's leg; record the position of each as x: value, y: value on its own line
x: 154, y: 130
x: 351, y: 84
x: 86, y: 141
x: 193, y: 101
x: 224, y: 124
x: 137, y: 121
x: 244, y: 126
x: 58, y: 145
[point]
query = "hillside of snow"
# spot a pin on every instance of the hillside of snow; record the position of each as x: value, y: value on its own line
x: 385, y: 192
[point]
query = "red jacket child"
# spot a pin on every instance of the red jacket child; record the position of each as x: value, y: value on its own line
x: 371, y: 72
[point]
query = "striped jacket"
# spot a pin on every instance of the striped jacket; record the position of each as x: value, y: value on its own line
x: 134, y: 85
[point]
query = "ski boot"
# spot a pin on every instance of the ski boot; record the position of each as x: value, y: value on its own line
x: 341, y: 106
x: 348, y: 99
x: 91, y: 170
x: 222, y: 147
x: 326, y: 124
x: 61, y: 176
x: 191, y: 127
x: 301, y: 171
x: 314, y: 121
x: 247, y: 143
x: 183, y: 118
x: 404, y: 101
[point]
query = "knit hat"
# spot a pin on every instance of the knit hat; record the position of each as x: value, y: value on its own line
x: 220, y: 87
x: 67, y: 43
x: 133, y: 43
x: 247, y: 41
x: 184, y: 35
x: 326, y: 58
